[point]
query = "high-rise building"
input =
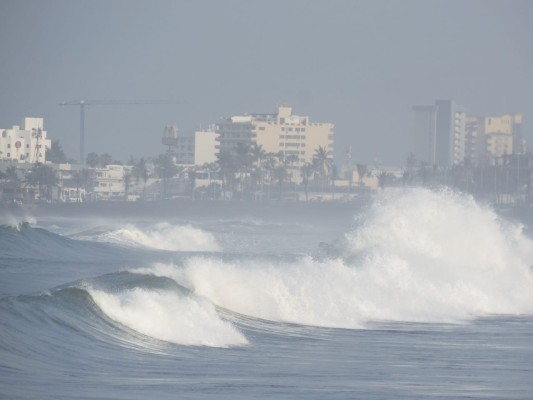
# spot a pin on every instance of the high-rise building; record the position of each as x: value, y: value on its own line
x: 26, y: 145
x: 494, y: 136
x: 292, y: 135
x: 440, y: 133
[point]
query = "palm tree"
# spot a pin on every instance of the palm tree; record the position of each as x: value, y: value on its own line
x: 227, y: 165
x: 280, y: 171
x: 127, y: 183
x: 44, y: 177
x: 80, y: 179
x: 361, y: 171
x: 307, y: 172
x: 166, y: 169
x: 258, y: 155
x: 322, y: 164
x: 140, y: 172
x: 244, y: 162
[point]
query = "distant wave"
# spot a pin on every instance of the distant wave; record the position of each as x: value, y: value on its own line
x: 419, y: 256
x: 23, y: 240
x: 161, y: 236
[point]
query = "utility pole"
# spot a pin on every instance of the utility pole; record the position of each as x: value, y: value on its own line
x: 83, y: 103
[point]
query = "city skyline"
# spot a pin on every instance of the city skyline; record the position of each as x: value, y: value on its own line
x: 362, y: 64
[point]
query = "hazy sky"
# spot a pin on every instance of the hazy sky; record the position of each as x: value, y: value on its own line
x: 361, y: 65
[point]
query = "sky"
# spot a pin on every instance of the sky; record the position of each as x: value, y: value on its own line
x: 361, y: 65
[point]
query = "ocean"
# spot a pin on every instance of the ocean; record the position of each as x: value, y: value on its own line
x: 416, y: 294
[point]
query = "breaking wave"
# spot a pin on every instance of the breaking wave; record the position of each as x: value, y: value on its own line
x: 168, y: 316
x: 163, y: 237
x: 419, y: 256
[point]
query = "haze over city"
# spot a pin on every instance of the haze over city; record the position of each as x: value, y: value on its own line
x: 359, y: 65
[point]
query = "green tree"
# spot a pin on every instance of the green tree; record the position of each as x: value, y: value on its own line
x: 12, y: 174
x: 105, y: 160
x: 80, y: 179
x: 127, y: 183
x: 228, y: 167
x: 307, y: 173
x: 361, y: 171
x: 56, y: 153
x: 44, y: 178
x: 166, y: 169
x: 322, y: 164
x: 140, y: 171
x: 92, y: 160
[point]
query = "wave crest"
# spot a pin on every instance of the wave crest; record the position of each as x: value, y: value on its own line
x: 421, y: 256
x: 168, y: 316
x: 163, y: 237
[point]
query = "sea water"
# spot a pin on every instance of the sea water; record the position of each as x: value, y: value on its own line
x: 419, y: 294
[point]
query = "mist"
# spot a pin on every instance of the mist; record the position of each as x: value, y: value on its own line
x: 360, y: 65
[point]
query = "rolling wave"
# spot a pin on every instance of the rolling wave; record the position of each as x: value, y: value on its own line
x: 123, y: 308
x: 420, y: 256
x: 161, y: 236
x: 24, y: 241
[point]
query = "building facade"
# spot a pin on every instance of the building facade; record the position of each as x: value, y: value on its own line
x: 495, y: 136
x: 27, y: 145
x: 110, y: 182
x: 440, y: 133
x: 282, y: 132
x: 205, y: 146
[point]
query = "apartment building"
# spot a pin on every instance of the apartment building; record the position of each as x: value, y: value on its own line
x: 199, y: 148
x: 292, y: 135
x: 495, y: 136
x: 440, y: 133
x: 109, y: 183
x: 26, y: 145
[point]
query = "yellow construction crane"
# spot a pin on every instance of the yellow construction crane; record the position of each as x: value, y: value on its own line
x: 84, y: 103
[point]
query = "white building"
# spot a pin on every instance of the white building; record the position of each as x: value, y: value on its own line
x: 205, y: 146
x: 27, y: 145
x: 197, y: 149
x: 109, y: 183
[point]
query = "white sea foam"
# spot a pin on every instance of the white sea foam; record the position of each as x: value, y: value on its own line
x: 16, y: 222
x: 419, y: 256
x: 164, y: 237
x: 169, y: 316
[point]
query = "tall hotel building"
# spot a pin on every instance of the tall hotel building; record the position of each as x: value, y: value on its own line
x: 492, y: 137
x: 440, y: 133
x: 445, y: 136
x: 280, y: 132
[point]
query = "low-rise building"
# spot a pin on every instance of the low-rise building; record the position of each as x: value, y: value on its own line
x: 110, y: 182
